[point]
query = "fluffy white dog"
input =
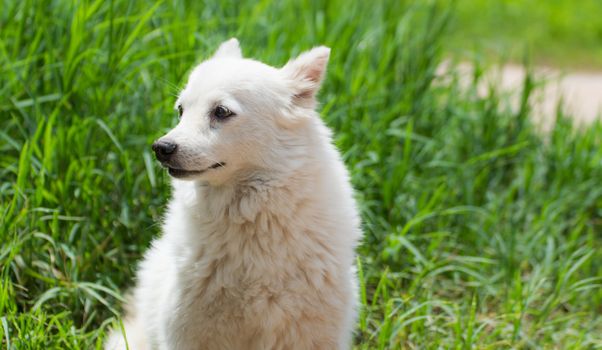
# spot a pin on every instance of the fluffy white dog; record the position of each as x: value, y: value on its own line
x: 258, y: 242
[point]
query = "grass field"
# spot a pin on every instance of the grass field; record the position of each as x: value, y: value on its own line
x: 479, y: 233
x: 563, y: 33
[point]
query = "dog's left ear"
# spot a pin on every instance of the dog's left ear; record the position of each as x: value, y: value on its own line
x: 306, y: 73
x: 229, y: 48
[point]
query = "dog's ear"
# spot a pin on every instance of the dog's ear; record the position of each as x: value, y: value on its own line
x: 229, y: 48
x: 306, y: 73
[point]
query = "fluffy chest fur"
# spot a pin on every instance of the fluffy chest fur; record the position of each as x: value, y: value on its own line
x: 249, y: 260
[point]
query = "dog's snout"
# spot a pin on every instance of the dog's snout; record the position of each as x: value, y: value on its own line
x: 164, y: 149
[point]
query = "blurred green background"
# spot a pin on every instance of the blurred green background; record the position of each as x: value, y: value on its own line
x: 480, y: 233
x: 559, y: 33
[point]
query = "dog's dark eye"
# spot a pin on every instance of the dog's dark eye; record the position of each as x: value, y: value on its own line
x: 180, y: 111
x: 222, y: 112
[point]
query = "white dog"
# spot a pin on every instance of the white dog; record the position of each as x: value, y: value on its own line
x: 257, y: 249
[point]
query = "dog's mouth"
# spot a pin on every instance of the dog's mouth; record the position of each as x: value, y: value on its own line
x: 183, y: 173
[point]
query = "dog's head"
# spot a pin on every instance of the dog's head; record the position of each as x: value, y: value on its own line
x: 239, y: 115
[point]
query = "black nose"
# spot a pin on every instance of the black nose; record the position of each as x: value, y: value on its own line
x: 164, y: 150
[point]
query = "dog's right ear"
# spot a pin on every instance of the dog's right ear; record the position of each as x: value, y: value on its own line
x: 229, y: 48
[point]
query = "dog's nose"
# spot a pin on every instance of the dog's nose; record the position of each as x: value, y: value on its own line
x: 164, y: 149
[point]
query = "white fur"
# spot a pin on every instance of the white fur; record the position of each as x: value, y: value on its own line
x: 259, y: 253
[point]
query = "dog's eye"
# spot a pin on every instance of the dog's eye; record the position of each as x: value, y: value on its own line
x: 180, y: 111
x: 222, y: 112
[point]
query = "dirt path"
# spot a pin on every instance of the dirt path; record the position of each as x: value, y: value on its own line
x: 581, y: 92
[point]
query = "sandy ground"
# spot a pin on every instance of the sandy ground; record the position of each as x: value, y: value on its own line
x: 580, y: 92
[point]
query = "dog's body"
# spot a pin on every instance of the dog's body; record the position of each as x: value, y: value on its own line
x: 258, y: 247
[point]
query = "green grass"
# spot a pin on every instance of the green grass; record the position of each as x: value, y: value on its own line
x: 563, y: 33
x: 479, y: 233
